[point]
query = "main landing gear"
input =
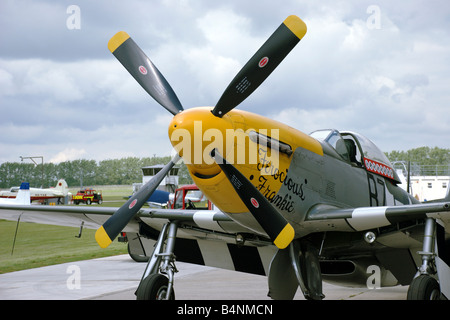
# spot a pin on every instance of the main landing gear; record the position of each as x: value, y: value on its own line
x: 293, y: 267
x: 157, y: 280
x: 425, y: 286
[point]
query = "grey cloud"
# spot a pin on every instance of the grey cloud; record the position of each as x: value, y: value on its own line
x: 341, y: 74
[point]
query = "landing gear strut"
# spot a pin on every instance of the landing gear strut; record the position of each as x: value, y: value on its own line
x: 424, y: 286
x: 157, y: 280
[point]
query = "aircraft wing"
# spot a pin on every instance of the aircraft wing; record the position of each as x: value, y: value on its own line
x: 319, y: 219
x: 93, y: 217
x: 327, y: 218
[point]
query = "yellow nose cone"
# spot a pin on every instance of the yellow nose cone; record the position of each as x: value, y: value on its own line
x: 194, y: 133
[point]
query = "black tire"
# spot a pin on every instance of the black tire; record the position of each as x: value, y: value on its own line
x: 154, y: 287
x: 424, y: 287
x: 88, y: 201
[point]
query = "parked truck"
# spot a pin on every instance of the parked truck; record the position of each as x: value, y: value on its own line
x: 88, y: 196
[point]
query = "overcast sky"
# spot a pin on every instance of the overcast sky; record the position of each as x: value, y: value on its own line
x: 380, y: 68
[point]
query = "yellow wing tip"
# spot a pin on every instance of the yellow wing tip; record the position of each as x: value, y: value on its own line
x: 285, y: 237
x: 296, y: 25
x: 117, y: 40
x: 102, y: 238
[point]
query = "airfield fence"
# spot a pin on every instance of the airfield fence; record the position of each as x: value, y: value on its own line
x: 423, y: 170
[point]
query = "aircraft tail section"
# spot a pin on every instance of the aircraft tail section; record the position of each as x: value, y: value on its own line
x: 62, y: 186
x: 23, y: 196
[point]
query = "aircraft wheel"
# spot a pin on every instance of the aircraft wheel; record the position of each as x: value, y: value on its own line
x: 154, y: 287
x: 424, y: 287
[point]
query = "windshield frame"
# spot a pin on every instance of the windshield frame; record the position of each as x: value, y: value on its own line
x: 371, y: 157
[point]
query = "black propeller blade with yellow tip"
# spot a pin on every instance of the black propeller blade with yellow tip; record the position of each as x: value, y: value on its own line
x: 273, y: 223
x: 144, y: 71
x: 117, y: 222
x: 261, y: 65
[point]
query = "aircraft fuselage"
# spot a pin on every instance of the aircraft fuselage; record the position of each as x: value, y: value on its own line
x: 292, y: 170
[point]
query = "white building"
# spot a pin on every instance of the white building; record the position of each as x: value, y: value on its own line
x: 426, y: 188
x: 169, y: 183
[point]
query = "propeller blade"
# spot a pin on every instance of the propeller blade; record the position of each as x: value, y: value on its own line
x: 115, y: 224
x: 261, y: 65
x: 273, y: 223
x: 144, y: 71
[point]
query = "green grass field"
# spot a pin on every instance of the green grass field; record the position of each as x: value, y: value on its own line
x: 42, y: 245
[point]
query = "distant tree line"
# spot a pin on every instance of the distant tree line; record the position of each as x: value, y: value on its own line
x: 125, y: 171
x: 424, y: 160
x: 422, y: 156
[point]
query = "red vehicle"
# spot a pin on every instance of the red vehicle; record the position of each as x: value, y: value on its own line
x: 88, y: 196
x: 189, y: 197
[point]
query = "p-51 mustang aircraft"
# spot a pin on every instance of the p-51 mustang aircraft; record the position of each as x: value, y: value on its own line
x: 297, y: 208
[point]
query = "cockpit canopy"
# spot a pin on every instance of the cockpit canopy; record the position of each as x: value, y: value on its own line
x: 358, y: 150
